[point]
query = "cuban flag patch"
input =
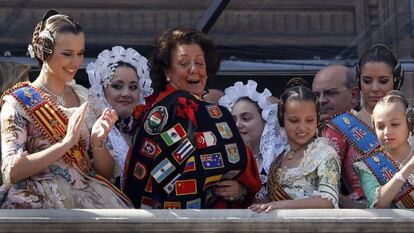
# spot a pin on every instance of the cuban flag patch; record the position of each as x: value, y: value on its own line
x: 183, y: 151
x: 162, y: 170
x: 212, y: 161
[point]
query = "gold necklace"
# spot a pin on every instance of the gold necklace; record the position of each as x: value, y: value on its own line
x: 291, y: 154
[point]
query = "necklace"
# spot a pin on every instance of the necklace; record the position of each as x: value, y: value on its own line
x: 406, y: 158
x: 59, y: 98
x: 292, y: 153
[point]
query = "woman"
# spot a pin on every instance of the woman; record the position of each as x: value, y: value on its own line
x: 53, y: 136
x: 255, y: 117
x: 378, y: 72
x: 188, y: 153
x: 387, y: 176
x: 306, y: 174
x: 120, y: 79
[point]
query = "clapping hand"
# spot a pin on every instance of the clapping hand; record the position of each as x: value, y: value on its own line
x: 103, y: 126
x: 74, y: 125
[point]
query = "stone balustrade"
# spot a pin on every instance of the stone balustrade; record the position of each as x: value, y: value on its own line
x: 111, y: 220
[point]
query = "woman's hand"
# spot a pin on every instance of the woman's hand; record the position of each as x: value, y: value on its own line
x: 74, y: 126
x: 230, y: 190
x: 103, y: 126
x: 266, y: 207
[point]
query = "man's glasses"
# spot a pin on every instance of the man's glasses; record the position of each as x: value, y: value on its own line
x: 329, y: 93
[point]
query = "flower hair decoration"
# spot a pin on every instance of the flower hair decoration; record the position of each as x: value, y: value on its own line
x: 273, y: 140
x: 102, y: 71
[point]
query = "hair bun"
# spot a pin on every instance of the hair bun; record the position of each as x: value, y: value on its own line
x: 48, y: 14
x: 297, y: 82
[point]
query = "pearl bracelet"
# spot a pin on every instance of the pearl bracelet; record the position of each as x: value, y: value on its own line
x: 399, y: 176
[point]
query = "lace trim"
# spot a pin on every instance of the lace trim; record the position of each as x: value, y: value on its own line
x: 317, y: 152
x: 375, y: 197
x: 273, y: 140
x: 101, y: 71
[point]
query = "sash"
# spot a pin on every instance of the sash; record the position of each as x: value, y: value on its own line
x: 53, y: 124
x: 355, y: 131
x: 380, y: 164
x: 275, y: 191
x: 383, y: 167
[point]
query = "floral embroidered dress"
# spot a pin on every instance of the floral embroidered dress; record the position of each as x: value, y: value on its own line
x: 317, y: 174
x: 60, y: 185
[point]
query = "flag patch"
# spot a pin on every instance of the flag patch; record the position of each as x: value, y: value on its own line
x: 232, y: 153
x: 183, y: 151
x: 156, y: 120
x: 224, y: 130
x: 170, y: 186
x: 212, y: 161
x: 147, y: 202
x: 172, y: 205
x: 140, y: 171
x: 205, y: 139
x: 173, y: 135
x: 185, y: 187
x: 150, y: 148
x: 194, y: 204
x: 211, y: 180
x: 214, y: 111
x: 162, y: 170
x: 190, y: 165
x: 148, y: 187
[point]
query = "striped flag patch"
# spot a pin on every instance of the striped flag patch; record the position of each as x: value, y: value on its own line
x: 211, y: 180
x: 183, y: 151
x: 162, y: 170
x: 190, y: 165
x: 173, y: 135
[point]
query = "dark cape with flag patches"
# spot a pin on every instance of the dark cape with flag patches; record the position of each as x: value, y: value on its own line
x: 182, y: 149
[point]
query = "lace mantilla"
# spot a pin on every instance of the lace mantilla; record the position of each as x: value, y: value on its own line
x: 273, y: 139
x: 100, y: 75
x: 102, y: 70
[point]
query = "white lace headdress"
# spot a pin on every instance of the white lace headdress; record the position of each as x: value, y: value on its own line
x: 100, y: 74
x: 102, y: 71
x: 273, y: 140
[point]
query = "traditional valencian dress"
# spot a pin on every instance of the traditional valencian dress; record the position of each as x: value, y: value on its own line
x: 183, y: 148
x: 30, y: 122
x: 317, y: 175
x: 375, y: 171
x: 350, y: 144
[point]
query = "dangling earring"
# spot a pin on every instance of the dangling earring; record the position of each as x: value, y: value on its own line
x: 168, y: 80
x: 45, y: 67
